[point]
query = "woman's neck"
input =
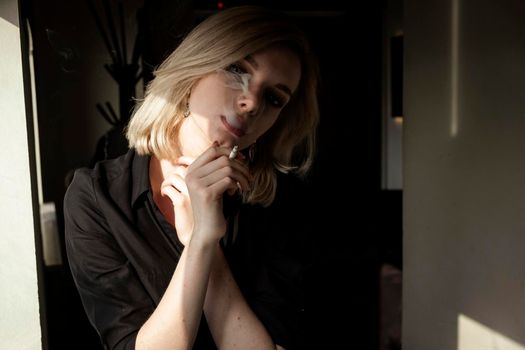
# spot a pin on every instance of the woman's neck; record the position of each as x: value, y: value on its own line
x: 192, y: 139
x: 158, y: 171
x: 156, y: 176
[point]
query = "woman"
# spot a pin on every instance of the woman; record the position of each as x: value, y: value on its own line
x: 153, y: 238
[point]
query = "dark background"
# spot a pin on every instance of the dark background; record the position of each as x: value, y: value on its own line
x: 355, y: 225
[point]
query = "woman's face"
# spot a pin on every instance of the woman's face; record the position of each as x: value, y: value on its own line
x: 236, y: 106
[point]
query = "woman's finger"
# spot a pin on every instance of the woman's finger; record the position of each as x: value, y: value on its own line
x: 220, y: 163
x: 177, y: 181
x: 225, y: 184
x: 175, y: 196
x: 209, y: 155
x: 238, y: 178
x: 185, y: 160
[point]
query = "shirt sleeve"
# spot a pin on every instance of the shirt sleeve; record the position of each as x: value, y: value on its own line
x: 113, y: 297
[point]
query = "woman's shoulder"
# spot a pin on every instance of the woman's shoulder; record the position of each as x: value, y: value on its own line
x: 102, y: 174
x: 93, y: 190
x: 111, y: 168
x: 103, y: 170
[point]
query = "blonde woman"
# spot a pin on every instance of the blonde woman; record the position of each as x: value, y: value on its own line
x: 152, y: 237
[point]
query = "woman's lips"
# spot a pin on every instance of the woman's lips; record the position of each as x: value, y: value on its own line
x: 232, y: 129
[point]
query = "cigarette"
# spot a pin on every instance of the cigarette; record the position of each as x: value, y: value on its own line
x: 233, y: 153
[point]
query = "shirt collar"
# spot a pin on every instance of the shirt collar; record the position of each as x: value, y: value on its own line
x: 140, y: 177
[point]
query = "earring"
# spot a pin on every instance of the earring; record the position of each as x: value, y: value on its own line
x: 187, y: 111
x: 251, y: 152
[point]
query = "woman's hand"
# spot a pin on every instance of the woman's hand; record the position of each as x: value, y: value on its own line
x: 175, y: 188
x: 208, y: 178
x: 197, y: 188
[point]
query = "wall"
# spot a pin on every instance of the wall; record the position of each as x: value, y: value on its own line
x: 392, y: 128
x: 464, y: 171
x: 70, y: 80
x: 19, y: 308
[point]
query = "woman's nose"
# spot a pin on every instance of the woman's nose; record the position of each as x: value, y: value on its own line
x: 248, y: 102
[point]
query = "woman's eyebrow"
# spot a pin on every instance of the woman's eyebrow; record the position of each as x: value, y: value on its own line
x: 252, y: 61
x: 284, y: 89
x: 280, y: 86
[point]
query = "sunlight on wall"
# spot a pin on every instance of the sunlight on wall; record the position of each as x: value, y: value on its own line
x: 20, y: 312
x: 472, y: 335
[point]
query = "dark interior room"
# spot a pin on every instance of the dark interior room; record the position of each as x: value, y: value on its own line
x: 348, y: 221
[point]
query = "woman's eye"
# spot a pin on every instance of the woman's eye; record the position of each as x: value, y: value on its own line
x: 235, y: 69
x: 274, y: 100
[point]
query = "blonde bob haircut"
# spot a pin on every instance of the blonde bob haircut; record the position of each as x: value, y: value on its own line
x: 217, y: 42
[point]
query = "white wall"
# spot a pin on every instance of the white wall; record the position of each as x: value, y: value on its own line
x: 464, y: 175
x: 19, y: 308
x: 392, y: 128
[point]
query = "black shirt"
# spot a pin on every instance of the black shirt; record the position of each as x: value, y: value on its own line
x: 122, y: 253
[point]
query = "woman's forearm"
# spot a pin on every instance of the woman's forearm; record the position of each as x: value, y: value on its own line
x: 203, y: 281
x: 232, y: 322
x: 175, y: 321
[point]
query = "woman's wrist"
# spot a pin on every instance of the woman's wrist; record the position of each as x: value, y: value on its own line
x: 203, y: 240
